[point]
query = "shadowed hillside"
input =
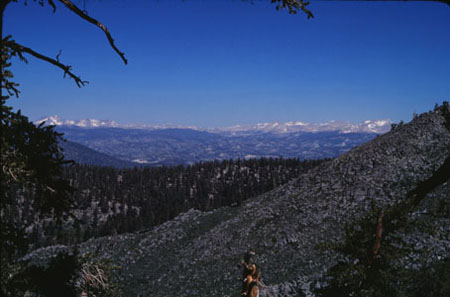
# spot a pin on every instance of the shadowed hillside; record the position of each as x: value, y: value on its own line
x: 83, y: 155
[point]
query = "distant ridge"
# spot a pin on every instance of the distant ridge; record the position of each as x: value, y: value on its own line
x: 83, y: 155
x: 368, y: 126
x: 174, y: 145
x: 187, y: 146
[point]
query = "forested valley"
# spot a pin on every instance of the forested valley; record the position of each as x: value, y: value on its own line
x: 111, y: 201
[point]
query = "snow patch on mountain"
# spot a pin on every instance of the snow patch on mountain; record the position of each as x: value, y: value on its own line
x: 368, y: 126
x: 86, y: 123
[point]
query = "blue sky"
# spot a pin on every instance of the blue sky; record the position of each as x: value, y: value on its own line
x: 224, y: 62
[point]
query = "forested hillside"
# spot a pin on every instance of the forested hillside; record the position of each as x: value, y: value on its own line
x: 110, y: 200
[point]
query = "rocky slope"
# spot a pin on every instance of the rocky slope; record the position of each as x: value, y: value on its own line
x: 196, y: 254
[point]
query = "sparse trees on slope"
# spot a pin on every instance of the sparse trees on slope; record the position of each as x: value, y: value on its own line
x: 376, y: 252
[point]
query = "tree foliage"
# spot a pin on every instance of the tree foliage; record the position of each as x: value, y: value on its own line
x: 63, y: 274
x: 58, y: 278
x: 32, y: 160
x: 293, y: 6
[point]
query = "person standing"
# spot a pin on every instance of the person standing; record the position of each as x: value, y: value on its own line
x: 249, y: 269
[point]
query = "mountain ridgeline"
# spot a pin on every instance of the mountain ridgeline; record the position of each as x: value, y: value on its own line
x: 317, y: 235
x: 187, y: 146
x: 81, y: 154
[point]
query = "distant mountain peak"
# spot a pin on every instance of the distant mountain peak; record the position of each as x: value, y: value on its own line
x: 85, y: 123
x: 368, y: 126
x: 50, y: 120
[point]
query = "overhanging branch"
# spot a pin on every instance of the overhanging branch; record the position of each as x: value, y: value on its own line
x: 52, y: 4
x: 91, y: 20
x: 20, y: 49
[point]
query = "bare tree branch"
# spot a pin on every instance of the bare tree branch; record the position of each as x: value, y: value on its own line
x: 19, y: 49
x: 91, y: 20
x: 52, y: 4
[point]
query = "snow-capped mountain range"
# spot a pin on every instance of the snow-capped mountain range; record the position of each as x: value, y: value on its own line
x: 377, y: 126
x: 368, y: 126
x: 174, y: 145
x: 86, y: 123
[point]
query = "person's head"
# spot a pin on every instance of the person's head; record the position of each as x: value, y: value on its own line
x: 251, y: 251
